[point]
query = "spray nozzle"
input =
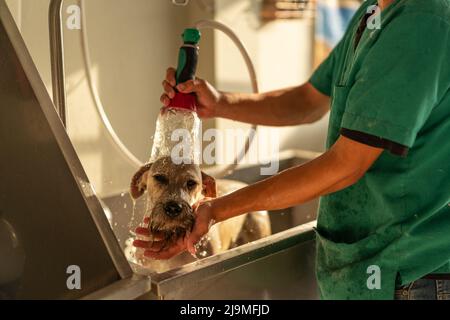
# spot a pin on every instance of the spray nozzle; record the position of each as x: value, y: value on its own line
x: 187, y: 66
x: 191, y: 36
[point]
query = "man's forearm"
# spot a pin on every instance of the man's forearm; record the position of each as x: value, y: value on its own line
x: 291, y: 106
x: 331, y: 172
x: 286, y: 189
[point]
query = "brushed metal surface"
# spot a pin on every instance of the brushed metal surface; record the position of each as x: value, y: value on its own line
x: 281, y: 266
x: 126, y: 289
x: 277, y: 267
x: 45, y: 196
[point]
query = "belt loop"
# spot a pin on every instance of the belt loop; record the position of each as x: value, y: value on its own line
x: 439, y: 295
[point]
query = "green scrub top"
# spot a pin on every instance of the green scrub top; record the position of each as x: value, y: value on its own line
x: 393, y: 226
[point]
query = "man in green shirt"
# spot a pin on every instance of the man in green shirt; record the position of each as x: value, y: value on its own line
x: 385, y: 177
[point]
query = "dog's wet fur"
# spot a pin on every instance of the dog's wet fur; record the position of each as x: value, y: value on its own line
x: 172, y: 190
x: 185, y: 185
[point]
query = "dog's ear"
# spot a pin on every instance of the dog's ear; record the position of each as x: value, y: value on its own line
x: 139, y: 181
x: 208, y: 186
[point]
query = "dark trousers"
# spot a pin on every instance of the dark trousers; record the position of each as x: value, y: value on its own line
x: 424, y: 289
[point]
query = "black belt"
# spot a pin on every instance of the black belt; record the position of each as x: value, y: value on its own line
x: 437, y: 276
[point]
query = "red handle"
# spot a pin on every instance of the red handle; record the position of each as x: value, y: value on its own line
x: 184, y: 101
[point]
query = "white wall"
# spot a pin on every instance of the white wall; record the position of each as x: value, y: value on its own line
x: 282, y: 53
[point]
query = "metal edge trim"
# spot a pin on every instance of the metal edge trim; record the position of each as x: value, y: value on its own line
x: 126, y: 289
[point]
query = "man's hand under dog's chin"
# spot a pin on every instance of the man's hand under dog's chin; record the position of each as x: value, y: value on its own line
x: 155, y: 249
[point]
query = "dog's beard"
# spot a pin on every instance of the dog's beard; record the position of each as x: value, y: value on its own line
x: 171, y: 230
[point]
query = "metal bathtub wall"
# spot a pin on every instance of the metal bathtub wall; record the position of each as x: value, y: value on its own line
x: 277, y: 267
x: 49, y: 217
x: 280, y: 266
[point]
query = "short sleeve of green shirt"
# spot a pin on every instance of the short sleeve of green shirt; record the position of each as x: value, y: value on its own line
x: 402, y: 78
x: 323, y: 76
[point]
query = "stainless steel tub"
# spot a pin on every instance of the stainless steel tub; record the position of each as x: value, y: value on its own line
x: 277, y: 267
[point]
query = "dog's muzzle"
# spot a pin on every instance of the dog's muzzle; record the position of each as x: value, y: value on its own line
x: 173, y: 209
x: 173, y: 220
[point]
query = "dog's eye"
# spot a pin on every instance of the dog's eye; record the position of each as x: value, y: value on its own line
x: 191, y: 184
x: 161, y: 178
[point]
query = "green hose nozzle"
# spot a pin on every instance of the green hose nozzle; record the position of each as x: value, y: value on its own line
x: 188, y: 56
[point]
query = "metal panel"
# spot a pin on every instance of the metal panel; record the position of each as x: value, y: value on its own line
x: 281, y: 266
x: 284, y: 275
x: 49, y: 213
x: 277, y: 267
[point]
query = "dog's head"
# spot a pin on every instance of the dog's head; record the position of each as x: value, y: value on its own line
x: 172, y: 190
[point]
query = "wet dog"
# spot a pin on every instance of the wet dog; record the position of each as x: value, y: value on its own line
x: 172, y: 190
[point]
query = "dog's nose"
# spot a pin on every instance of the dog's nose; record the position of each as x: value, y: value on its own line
x: 173, y: 209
